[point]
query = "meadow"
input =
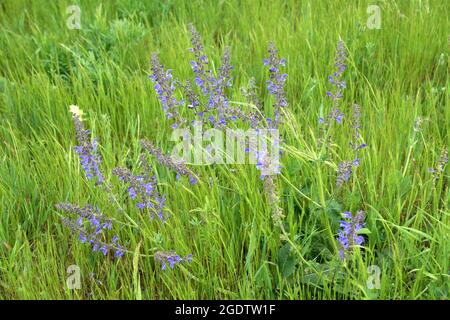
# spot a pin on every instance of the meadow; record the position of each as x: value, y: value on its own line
x: 230, y: 234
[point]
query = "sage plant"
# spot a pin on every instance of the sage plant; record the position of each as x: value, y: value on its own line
x: 143, y: 188
x: 87, y: 151
x: 440, y: 165
x: 345, y: 168
x: 178, y: 166
x: 170, y: 258
x: 165, y: 87
x: 336, y: 95
x: 348, y: 236
x: 91, y: 226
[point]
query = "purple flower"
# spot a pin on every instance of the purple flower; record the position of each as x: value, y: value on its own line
x: 118, y: 254
x: 87, y: 151
x: 335, y: 95
x: 440, y: 166
x: 119, y: 250
x: 132, y: 193
x: 218, y: 97
x: 165, y: 89
x: 255, y: 117
x: 179, y: 167
x: 276, y: 83
x: 267, y: 163
x: 91, y: 226
x: 336, y: 115
x: 171, y: 259
x: 214, y: 89
x: 192, y: 98
x: 345, y: 170
x: 335, y: 79
x: 348, y: 235
x: 142, y: 188
x: 356, y: 125
x: 200, y: 65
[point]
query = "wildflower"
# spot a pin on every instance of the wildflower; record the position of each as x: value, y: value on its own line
x: 87, y: 150
x: 442, y: 161
x: 250, y: 93
x: 276, y: 83
x: 165, y: 87
x: 143, y: 188
x: 345, y: 170
x: 275, y: 86
x: 225, y: 80
x: 75, y: 110
x: 91, y: 225
x: 171, y: 259
x: 191, y: 96
x: 339, y: 85
x: 255, y: 117
x: 200, y: 64
x: 335, y: 79
x: 178, y: 166
x: 217, y: 97
x: 335, y: 115
x: 356, y: 125
x: 348, y: 236
x: 211, y: 87
x: 268, y: 163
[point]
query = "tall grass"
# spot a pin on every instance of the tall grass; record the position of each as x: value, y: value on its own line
x: 397, y: 74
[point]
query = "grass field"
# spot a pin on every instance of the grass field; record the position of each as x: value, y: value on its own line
x: 397, y: 74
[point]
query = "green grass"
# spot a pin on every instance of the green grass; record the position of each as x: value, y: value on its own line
x: 397, y: 74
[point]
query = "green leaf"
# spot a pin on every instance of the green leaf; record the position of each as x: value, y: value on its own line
x: 364, y: 231
x: 286, y: 261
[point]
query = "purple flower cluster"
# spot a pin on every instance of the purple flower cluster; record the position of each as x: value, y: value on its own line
x: 165, y: 88
x: 356, y: 125
x: 345, y: 170
x: 337, y: 82
x: 217, y: 111
x: 91, y: 226
x: 214, y: 89
x: 218, y: 99
x: 255, y: 116
x: 171, y: 259
x: 87, y: 151
x: 442, y: 161
x: 266, y: 162
x: 143, y: 188
x: 335, y: 115
x: 339, y: 85
x: 200, y: 64
x: 177, y: 166
x: 348, y: 236
x: 192, y: 97
x: 276, y: 84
